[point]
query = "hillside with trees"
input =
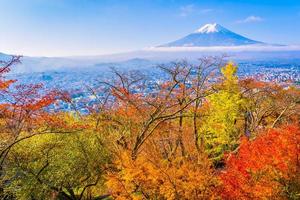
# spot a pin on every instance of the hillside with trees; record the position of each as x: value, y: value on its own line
x: 204, y: 133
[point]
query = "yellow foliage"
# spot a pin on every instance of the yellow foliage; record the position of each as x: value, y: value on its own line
x: 219, y: 126
x: 146, y: 178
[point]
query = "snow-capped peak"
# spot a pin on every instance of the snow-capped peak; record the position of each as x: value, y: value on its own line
x: 209, y: 28
x: 211, y: 35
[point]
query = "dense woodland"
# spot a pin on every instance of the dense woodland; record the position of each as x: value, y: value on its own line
x: 202, y: 134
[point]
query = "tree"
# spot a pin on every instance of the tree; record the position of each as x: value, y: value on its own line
x: 268, y: 104
x: 5, y: 68
x: 22, y: 108
x: 152, y: 178
x: 267, y: 167
x: 192, y: 81
x: 23, y: 115
x: 219, y: 128
x: 158, y: 143
x: 62, y: 166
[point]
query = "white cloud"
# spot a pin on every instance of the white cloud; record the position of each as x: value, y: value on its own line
x: 192, y: 9
x: 258, y: 48
x: 187, y: 10
x: 207, y: 10
x: 250, y: 19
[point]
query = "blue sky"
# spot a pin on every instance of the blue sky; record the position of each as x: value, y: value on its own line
x: 94, y: 27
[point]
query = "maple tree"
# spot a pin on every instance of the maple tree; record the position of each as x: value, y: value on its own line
x: 4, y: 69
x: 268, y: 104
x: 152, y: 178
x: 35, y: 143
x: 173, y: 99
x: 166, y: 148
x: 22, y: 107
x: 267, y: 167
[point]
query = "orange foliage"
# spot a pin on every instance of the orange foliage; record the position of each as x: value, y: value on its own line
x: 5, y: 68
x: 151, y: 178
x: 23, y: 111
x: 264, y: 168
x: 26, y: 105
x: 159, y: 148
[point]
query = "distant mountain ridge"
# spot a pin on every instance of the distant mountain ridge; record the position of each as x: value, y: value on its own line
x: 212, y: 35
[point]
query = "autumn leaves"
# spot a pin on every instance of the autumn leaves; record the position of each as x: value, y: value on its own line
x: 200, y: 134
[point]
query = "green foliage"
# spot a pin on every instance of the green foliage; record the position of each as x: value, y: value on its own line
x: 51, y: 164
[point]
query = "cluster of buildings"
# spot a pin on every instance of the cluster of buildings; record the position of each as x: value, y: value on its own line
x: 80, y: 83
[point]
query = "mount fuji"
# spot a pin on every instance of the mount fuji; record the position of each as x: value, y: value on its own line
x: 212, y: 35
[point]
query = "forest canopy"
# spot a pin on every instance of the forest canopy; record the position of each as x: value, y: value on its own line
x: 204, y: 133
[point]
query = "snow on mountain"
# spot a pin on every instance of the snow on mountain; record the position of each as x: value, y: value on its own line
x: 210, y: 28
x: 212, y: 35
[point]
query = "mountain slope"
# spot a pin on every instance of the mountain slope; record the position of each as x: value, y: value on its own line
x: 212, y: 35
